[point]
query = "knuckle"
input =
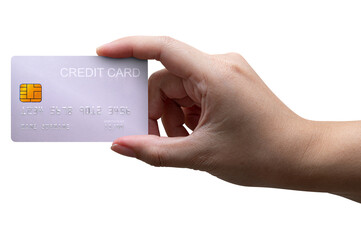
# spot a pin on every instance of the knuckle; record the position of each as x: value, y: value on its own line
x: 236, y: 62
x: 235, y: 56
x: 152, y: 154
x: 152, y: 157
x: 154, y: 77
x: 236, y: 68
x: 231, y: 63
x: 157, y: 157
x: 166, y: 40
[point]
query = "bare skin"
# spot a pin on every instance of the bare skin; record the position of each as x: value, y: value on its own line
x: 242, y: 133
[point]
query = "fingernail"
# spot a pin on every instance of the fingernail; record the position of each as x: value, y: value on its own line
x: 123, y: 150
x: 101, y: 46
x: 98, y: 48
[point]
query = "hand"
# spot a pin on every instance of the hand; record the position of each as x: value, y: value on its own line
x: 242, y: 132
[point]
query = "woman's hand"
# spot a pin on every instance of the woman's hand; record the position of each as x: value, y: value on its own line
x: 242, y: 132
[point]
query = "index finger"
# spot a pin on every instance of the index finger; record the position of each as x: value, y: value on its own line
x: 178, y: 57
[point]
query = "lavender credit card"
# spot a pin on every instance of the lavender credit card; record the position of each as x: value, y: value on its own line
x: 78, y: 98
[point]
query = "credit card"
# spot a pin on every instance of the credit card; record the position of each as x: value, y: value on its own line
x: 78, y: 98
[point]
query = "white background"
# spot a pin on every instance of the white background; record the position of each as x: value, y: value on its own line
x: 307, y: 52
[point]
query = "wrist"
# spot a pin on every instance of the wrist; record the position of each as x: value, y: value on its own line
x: 329, y: 158
x: 298, y: 154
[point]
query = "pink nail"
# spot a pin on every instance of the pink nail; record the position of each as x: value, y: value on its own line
x: 123, y: 150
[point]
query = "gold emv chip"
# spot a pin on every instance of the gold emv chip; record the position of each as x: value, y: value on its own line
x: 30, y: 92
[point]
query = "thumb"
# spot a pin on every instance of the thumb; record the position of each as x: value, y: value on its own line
x: 158, y: 151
